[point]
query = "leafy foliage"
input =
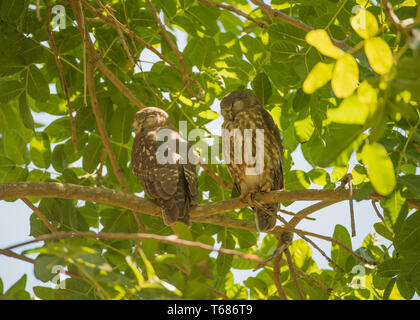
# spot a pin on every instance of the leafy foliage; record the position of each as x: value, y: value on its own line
x: 333, y: 98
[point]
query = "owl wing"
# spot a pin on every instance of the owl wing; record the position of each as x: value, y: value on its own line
x: 158, y: 180
x: 270, y: 125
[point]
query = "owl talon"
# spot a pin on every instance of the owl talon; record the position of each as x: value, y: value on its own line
x: 248, y: 197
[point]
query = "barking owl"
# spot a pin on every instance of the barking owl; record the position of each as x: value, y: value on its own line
x: 166, y: 175
x: 241, y: 111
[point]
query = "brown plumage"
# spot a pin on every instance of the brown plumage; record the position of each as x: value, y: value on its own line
x: 172, y: 185
x: 242, y: 110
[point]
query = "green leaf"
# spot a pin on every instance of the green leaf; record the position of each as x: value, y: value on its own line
x: 262, y: 87
x: 41, y: 150
x: 359, y: 174
x: 412, y: 182
x: 338, y: 254
x: 296, y: 180
x: 45, y: 267
x: 364, y: 23
x: 301, y: 100
x: 35, y: 84
x: 345, y: 76
x: 338, y: 173
x: 244, y: 238
x: 17, y: 290
x: 16, y: 147
x: 253, y: 49
x: 121, y: 124
x: 322, y: 42
x: 383, y: 231
x: 319, y: 176
x: 9, y: 90
x: 25, y: 112
x: 201, y: 51
x: 339, y: 138
x: 405, y: 288
x: 389, y: 288
x: 407, y: 240
x: 379, y: 55
x: 380, y: 168
x: 389, y: 268
x: 58, y: 158
x: 11, y: 65
x: 283, y: 50
x: 92, y: 154
x: 224, y: 261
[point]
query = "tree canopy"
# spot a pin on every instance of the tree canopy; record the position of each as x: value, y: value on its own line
x: 340, y: 79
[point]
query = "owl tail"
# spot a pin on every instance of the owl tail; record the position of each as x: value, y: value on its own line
x: 174, y: 211
x: 264, y: 221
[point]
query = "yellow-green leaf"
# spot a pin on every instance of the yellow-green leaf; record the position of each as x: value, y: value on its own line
x: 379, y: 55
x: 320, y: 74
x: 366, y: 93
x: 364, y: 23
x: 351, y: 111
x: 304, y: 129
x: 380, y: 168
x: 321, y: 40
x: 345, y: 76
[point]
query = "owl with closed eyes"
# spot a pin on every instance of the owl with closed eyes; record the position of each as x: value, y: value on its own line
x: 242, y: 112
x: 171, y: 182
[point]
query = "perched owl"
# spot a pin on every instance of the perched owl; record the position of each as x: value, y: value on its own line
x: 166, y: 175
x: 241, y: 111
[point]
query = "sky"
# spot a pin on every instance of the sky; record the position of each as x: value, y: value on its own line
x: 14, y: 216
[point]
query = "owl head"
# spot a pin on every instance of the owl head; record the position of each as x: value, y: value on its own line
x: 150, y: 118
x: 238, y: 101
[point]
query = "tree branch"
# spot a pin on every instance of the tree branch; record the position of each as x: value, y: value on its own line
x: 290, y: 20
x: 138, y: 236
x: 96, y: 58
x: 185, y: 76
x: 235, y: 10
x: 198, y: 213
x: 62, y: 77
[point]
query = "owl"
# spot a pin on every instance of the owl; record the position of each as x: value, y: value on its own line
x: 253, y: 152
x: 164, y: 172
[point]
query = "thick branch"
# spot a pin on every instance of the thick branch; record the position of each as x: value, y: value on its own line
x: 131, y: 202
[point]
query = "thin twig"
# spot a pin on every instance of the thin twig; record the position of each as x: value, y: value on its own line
x: 11, y: 254
x: 62, y: 77
x: 235, y: 10
x: 40, y: 215
x: 401, y: 25
x: 313, y: 244
x: 313, y: 280
x: 174, y: 240
x: 290, y: 213
x: 352, y: 222
x: 293, y: 274
x: 97, y: 60
x: 381, y: 218
x: 290, y: 20
x: 277, y: 278
x: 185, y: 76
x: 38, y: 11
x: 120, y: 34
x: 225, y: 184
